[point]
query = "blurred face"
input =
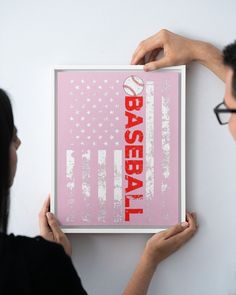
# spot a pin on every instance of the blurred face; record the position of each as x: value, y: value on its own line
x: 15, y: 144
x: 230, y: 101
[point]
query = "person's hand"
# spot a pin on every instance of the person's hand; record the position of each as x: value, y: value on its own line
x: 163, y: 244
x: 177, y: 50
x: 50, y: 229
x: 158, y: 247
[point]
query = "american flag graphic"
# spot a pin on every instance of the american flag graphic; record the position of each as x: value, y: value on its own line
x: 91, y: 155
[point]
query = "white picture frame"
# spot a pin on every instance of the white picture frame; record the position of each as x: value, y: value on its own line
x: 182, y: 142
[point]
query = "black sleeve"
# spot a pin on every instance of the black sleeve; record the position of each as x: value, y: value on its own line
x: 50, y: 268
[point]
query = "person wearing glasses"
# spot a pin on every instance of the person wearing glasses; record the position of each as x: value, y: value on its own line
x: 179, y: 50
x: 42, y: 265
x: 223, y: 114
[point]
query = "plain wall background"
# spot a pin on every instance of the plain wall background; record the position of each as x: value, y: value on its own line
x: 34, y: 35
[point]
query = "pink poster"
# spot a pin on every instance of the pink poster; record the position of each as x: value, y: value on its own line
x: 118, y: 148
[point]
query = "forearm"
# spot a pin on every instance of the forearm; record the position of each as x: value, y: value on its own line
x: 141, y: 278
x: 209, y: 56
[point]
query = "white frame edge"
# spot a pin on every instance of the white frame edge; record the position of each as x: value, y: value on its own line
x: 53, y: 143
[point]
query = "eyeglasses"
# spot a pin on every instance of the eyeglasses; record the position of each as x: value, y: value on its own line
x: 223, y: 113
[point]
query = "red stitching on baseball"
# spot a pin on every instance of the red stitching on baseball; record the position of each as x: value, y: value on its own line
x: 136, y: 81
x: 132, y: 90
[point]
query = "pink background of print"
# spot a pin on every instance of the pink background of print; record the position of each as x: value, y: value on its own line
x: 73, y: 90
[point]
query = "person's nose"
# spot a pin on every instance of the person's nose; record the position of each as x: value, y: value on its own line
x: 18, y: 143
x: 232, y: 126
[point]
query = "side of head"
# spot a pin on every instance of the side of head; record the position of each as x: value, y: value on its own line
x: 229, y: 59
x: 6, y: 137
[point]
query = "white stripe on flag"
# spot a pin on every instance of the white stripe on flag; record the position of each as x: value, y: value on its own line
x: 117, y: 175
x: 149, y: 139
x: 118, y: 208
x: 102, y: 175
x: 86, y: 189
x: 70, y: 165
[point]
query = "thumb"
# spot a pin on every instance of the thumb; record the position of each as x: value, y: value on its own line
x: 53, y: 223
x: 157, y: 64
x: 175, y: 230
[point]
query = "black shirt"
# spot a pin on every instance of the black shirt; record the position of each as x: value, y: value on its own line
x: 36, y: 266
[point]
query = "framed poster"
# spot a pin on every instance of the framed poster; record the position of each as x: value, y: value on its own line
x: 118, y: 148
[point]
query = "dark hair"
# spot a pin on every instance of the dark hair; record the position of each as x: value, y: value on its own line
x: 6, y: 136
x: 229, y: 58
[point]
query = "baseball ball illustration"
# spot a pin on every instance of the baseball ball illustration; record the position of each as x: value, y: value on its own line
x: 133, y: 85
